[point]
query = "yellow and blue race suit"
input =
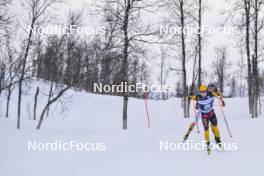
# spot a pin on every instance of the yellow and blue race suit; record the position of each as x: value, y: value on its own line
x: 206, y: 107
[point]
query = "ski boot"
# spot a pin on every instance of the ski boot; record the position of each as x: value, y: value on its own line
x: 185, y: 137
x: 208, y: 148
x: 219, y: 143
x: 208, y: 151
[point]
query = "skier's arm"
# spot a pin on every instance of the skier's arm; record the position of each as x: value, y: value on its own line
x: 196, y: 105
x: 193, y: 97
x: 217, y: 94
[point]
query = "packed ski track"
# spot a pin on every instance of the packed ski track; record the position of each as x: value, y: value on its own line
x: 136, y: 151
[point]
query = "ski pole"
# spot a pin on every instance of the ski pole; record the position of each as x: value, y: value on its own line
x: 222, y: 110
x: 196, y: 113
x: 146, y: 106
x: 196, y: 121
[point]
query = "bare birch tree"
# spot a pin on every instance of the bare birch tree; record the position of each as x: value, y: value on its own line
x: 180, y: 15
x: 220, y: 66
x: 131, y: 34
x: 36, y: 10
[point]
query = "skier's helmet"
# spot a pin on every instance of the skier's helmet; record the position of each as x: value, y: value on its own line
x: 203, y: 88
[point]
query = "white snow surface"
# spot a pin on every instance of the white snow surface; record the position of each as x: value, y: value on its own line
x: 134, y: 152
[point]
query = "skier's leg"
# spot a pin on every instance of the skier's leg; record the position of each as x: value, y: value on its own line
x: 189, y: 131
x: 206, y: 130
x: 206, y: 133
x: 215, y: 128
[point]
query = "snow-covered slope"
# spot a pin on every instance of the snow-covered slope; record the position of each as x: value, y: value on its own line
x: 97, y: 119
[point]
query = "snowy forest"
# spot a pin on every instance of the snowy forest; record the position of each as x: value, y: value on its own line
x: 54, y: 52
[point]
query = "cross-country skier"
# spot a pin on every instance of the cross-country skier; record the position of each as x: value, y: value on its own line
x: 204, y: 102
x: 212, y: 88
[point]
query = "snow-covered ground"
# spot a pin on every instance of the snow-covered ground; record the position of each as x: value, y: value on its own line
x: 135, y: 152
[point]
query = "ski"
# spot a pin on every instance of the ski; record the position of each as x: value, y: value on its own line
x: 208, y: 151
